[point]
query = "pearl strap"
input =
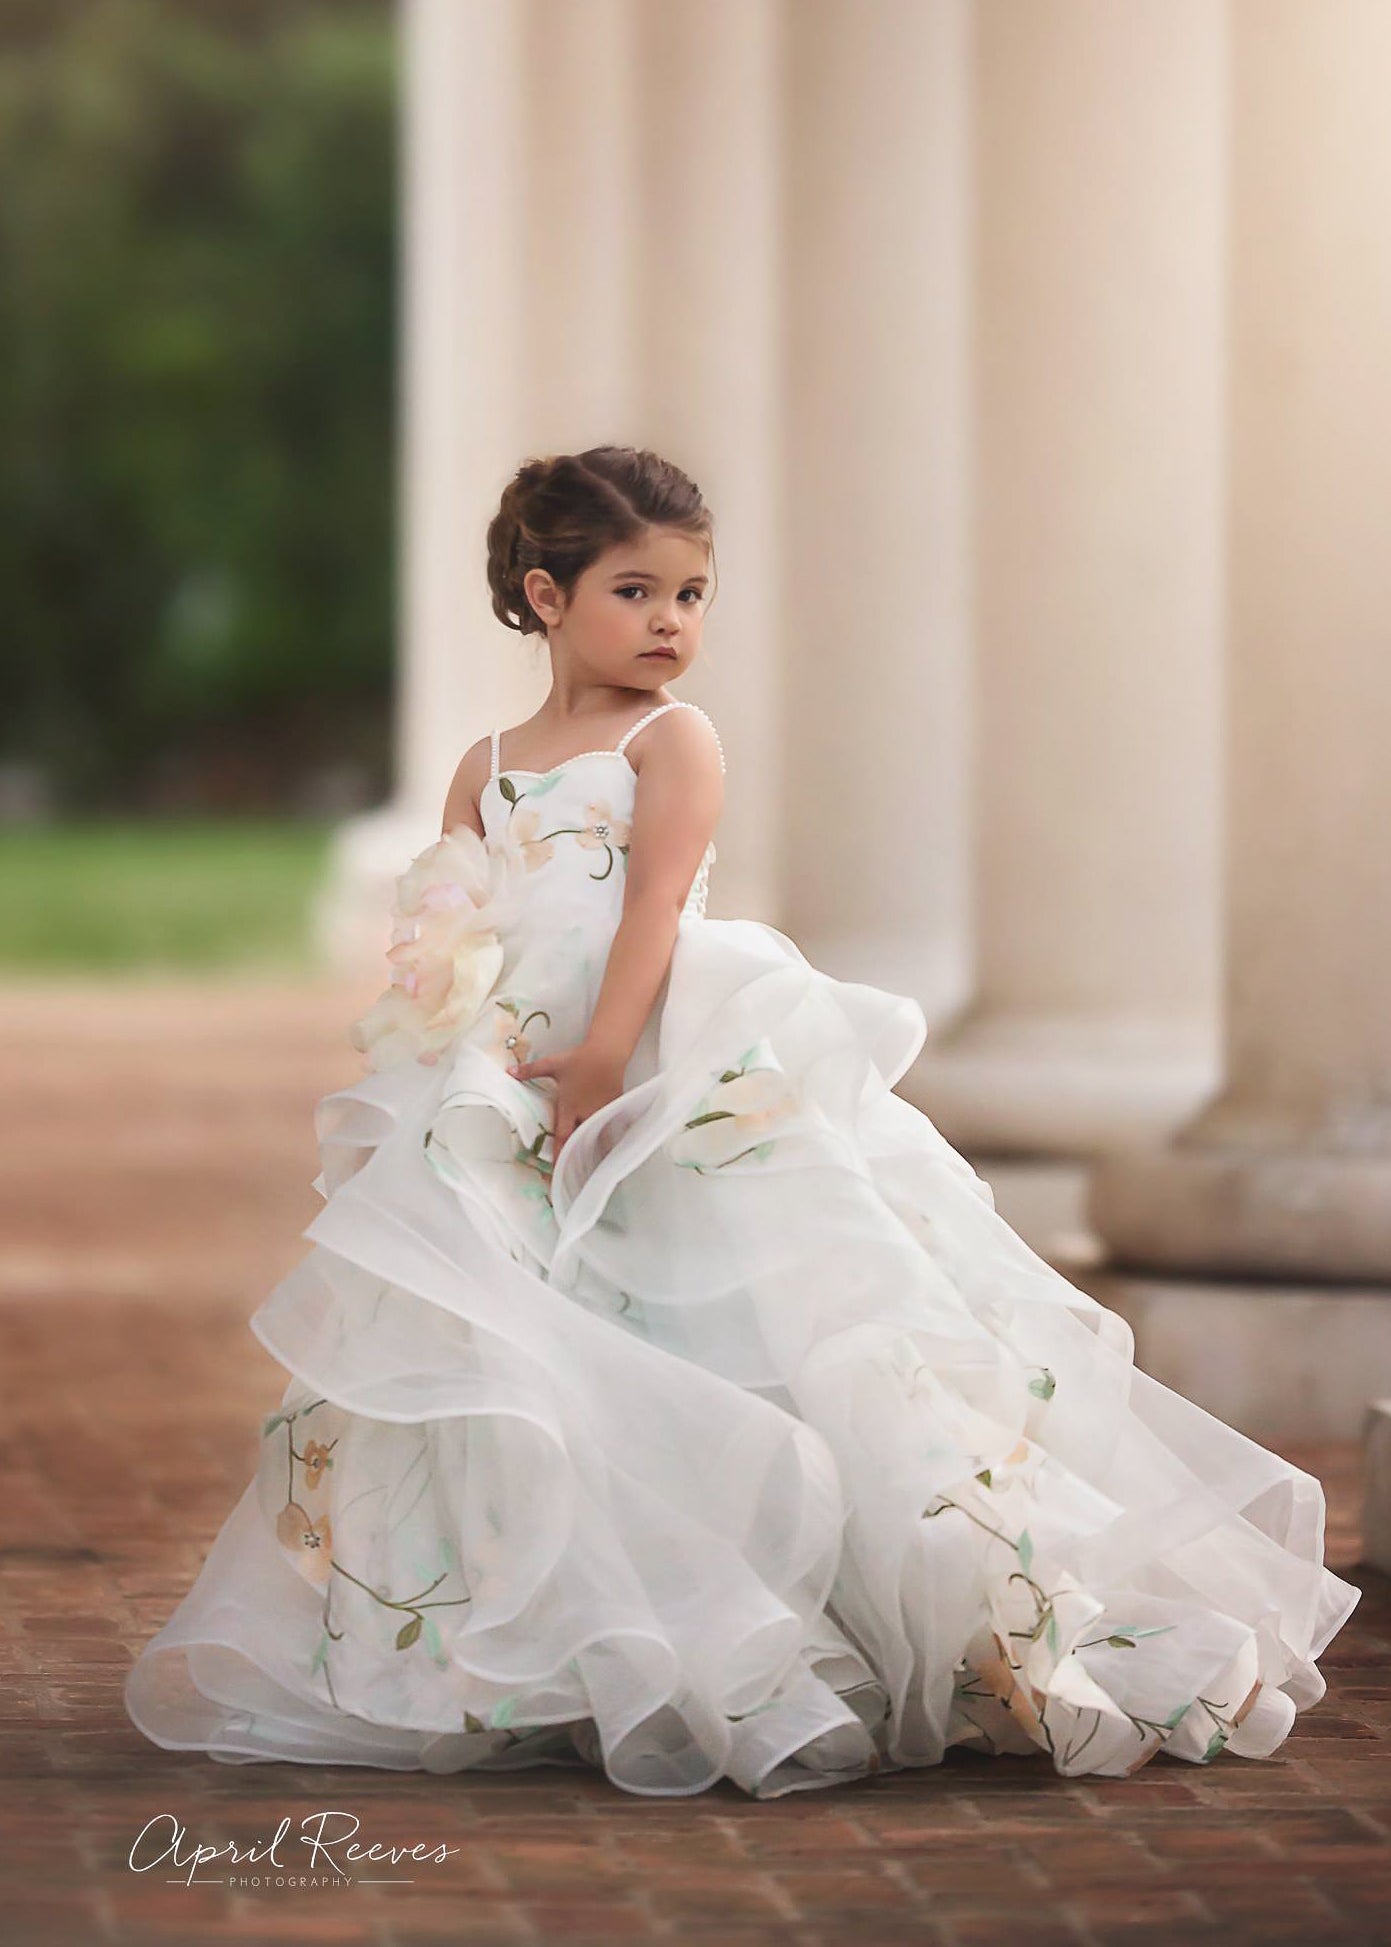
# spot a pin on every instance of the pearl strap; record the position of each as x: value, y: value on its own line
x: 677, y: 703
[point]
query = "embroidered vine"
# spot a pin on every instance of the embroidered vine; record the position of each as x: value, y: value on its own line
x: 751, y: 1098
x: 1030, y: 1708
x: 601, y: 831
x: 310, y: 1540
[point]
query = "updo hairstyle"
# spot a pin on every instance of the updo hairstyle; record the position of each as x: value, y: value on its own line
x: 563, y: 512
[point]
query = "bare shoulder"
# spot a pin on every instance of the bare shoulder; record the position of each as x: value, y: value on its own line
x: 683, y: 742
x: 466, y: 788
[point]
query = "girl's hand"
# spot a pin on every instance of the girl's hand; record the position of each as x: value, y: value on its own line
x: 587, y: 1077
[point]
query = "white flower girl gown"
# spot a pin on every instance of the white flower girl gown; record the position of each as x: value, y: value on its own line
x: 743, y: 1439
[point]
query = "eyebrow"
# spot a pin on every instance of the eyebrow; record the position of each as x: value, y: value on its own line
x: 641, y: 574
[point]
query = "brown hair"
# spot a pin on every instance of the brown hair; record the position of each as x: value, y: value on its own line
x: 561, y: 513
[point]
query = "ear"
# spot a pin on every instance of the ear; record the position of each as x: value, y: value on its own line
x: 542, y: 593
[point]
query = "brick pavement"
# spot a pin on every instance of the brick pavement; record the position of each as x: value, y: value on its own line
x: 132, y: 1393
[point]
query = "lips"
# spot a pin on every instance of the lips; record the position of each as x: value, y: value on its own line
x: 667, y: 655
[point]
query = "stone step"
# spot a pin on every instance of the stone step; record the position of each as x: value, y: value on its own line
x: 1281, y: 1362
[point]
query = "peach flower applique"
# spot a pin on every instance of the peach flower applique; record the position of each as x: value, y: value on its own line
x: 603, y: 832
x: 743, y: 1112
x: 310, y: 1542
x: 523, y: 831
x: 446, y: 951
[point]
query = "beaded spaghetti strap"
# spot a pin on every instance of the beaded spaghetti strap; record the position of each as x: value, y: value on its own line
x: 494, y: 741
x: 677, y: 703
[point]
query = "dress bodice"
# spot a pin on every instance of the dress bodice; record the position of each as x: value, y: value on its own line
x: 567, y: 833
x: 570, y: 828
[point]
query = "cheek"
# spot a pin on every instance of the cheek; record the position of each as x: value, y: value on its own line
x: 604, y: 622
x: 617, y: 622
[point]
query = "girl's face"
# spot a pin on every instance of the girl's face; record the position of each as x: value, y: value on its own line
x: 635, y: 616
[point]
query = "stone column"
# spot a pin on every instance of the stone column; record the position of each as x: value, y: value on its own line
x: 591, y: 217
x: 579, y: 334
x: 1099, y: 151
x: 466, y: 299
x: 875, y: 610
x: 463, y: 300
x: 708, y: 130
x: 1288, y: 1172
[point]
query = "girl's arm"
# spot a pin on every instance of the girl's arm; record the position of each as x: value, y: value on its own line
x: 461, y: 800
x: 679, y: 797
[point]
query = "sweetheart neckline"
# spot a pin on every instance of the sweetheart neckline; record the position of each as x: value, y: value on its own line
x: 521, y: 770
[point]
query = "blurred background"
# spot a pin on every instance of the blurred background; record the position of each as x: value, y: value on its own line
x: 197, y: 498
x: 1033, y: 357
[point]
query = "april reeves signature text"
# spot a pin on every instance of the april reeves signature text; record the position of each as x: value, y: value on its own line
x: 163, y: 1841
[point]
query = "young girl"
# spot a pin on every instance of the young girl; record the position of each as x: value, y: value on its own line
x: 667, y: 1394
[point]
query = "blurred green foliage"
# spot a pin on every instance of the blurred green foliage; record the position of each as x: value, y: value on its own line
x: 197, y: 272
x: 173, y: 895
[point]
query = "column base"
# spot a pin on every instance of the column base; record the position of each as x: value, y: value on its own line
x: 1079, y: 1084
x: 1284, y: 1364
x: 1246, y: 1212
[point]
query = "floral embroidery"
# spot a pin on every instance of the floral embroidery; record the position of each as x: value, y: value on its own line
x: 531, y: 1158
x: 547, y: 781
x: 308, y: 1540
x: 509, y: 1041
x: 605, y: 833
x: 506, y: 1042
x: 748, y: 1100
x: 412, y: 1607
x: 1001, y: 1679
x: 906, y: 1361
x: 510, y: 1044
x: 601, y: 831
x: 500, y: 1717
x: 523, y: 829
x: 995, y: 1672
x: 316, y: 1458
x: 990, y: 1669
x: 1224, y: 1725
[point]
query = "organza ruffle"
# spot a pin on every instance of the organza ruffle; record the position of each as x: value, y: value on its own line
x: 743, y: 1439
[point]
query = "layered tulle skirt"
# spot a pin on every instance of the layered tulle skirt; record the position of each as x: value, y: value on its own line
x: 746, y: 1441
